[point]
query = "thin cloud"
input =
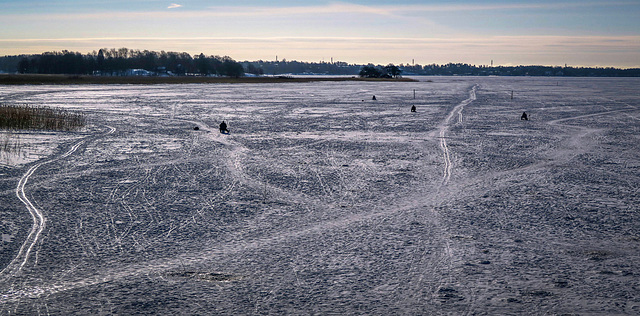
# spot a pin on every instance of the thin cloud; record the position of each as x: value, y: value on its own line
x: 505, y: 6
x: 391, y: 10
x: 631, y: 41
x: 547, y: 50
x: 333, y: 8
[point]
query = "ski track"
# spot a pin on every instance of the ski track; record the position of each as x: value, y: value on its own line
x: 241, y: 245
x: 444, y: 127
x: 39, y: 220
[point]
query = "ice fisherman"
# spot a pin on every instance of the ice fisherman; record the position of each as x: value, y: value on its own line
x: 413, y: 108
x: 374, y: 97
x: 223, y: 128
x: 524, y: 116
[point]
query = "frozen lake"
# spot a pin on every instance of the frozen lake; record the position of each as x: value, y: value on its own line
x: 324, y: 201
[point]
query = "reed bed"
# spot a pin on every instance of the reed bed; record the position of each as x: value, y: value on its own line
x: 39, y: 117
x: 8, y: 143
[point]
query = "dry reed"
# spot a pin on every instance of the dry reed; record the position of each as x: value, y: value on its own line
x: 39, y: 117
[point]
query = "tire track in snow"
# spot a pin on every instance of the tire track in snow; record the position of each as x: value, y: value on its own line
x: 444, y: 126
x: 242, y: 243
x: 39, y: 220
x: 448, y: 252
x: 236, y: 244
x: 555, y: 122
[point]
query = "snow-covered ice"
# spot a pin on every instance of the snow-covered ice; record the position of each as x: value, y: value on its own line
x: 324, y: 201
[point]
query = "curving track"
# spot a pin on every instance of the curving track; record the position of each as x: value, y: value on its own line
x: 39, y: 220
x: 444, y: 127
x: 352, y: 220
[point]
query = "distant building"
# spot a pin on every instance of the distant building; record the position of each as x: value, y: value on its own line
x: 163, y: 72
x: 139, y: 72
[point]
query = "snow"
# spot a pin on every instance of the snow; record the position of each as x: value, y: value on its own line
x: 322, y: 201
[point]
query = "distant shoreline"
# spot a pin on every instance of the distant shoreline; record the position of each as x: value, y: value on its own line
x: 37, y: 79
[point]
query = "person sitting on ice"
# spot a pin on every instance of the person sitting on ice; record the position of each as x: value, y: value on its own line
x: 524, y: 116
x: 374, y: 97
x: 223, y: 128
x: 413, y: 108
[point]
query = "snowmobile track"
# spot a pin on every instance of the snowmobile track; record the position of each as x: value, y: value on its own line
x: 444, y: 126
x: 39, y: 220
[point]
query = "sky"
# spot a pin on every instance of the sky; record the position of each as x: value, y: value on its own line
x: 579, y: 33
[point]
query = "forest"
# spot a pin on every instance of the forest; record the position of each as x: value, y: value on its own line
x: 451, y: 69
x: 114, y: 62
x: 121, y: 62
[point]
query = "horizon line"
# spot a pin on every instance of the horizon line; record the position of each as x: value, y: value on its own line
x: 423, y: 47
x: 284, y: 60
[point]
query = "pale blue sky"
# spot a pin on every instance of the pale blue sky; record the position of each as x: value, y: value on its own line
x: 578, y: 33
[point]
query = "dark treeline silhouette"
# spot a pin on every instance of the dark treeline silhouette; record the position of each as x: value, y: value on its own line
x: 9, y: 63
x: 452, y: 69
x: 262, y: 67
x: 388, y: 71
x: 121, y: 61
x: 460, y: 69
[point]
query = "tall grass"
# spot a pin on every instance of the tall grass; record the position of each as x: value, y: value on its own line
x: 7, y: 144
x: 39, y: 117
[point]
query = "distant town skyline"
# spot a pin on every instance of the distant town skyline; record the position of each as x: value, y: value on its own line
x: 554, y: 33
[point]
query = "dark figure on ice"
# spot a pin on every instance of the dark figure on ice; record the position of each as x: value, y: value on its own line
x: 374, y: 98
x: 413, y: 108
x: 223, y: 128
x: 524, y: 116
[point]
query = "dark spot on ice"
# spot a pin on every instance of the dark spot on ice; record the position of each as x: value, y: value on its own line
x: 449, y: 295
x: 485, y: 262
x: 462, y: 237
x: 607, y: 272
x: 598, y: 255
x: 561, y: 283
x: 415, y: 223
x: 203, y: 276
x: 196, y: 128
x: 513, y: 300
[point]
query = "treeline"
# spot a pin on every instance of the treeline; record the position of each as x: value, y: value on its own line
x: 388, y: 71
x: 451, y: 69
x: 122, y: 61
x: 284, y: 66
x: 459, y: 69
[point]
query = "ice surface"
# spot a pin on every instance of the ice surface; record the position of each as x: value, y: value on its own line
x: 322, y: 201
